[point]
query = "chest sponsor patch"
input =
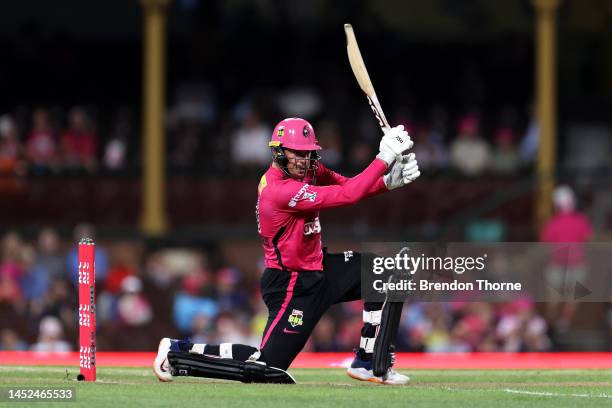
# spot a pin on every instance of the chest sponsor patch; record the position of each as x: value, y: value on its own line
x: 313, y: 227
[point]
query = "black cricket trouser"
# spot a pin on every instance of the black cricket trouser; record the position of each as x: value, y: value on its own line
x: 297, y: 300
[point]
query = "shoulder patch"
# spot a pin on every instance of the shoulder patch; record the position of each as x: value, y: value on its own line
x: 262, y: 184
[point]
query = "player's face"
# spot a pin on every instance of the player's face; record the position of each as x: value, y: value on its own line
x: 298, y: 162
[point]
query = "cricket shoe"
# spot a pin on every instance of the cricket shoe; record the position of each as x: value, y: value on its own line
x: 361, y: 369
x: 161, y: 365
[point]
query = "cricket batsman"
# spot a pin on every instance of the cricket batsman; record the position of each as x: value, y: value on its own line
x: 301, y: 280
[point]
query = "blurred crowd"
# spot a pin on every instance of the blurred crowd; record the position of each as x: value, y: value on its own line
x: 50, y: 141
x: 465, y: 145
x: 202, y: 140
x: 147, y: 293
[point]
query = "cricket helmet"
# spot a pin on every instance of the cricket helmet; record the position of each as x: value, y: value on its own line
x: 294, y: 134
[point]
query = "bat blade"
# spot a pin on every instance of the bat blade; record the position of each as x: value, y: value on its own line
x: 362, y: 76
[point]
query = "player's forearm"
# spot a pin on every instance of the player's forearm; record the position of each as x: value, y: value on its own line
x: 378, y: 188
x: 366, y: 183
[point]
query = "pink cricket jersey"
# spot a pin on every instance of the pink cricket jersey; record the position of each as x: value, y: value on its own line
x: 288, y: 212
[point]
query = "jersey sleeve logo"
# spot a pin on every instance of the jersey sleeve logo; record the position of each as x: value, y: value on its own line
x: 302, y: 194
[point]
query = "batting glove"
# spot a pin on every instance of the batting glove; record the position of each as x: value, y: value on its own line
x: 394, y: 143
x: 404, y: 171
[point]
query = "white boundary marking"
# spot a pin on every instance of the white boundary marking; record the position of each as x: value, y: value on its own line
x: 527, y: 392
x: 554, y: 394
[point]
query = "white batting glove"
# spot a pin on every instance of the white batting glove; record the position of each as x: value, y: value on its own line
x: 394, y: 143
x: 404, y: 171
x: 410, y: 168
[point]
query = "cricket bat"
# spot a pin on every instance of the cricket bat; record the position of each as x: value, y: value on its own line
x: 361, y: 74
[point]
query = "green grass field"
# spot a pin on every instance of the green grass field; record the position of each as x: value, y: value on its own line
x: 126, y: 387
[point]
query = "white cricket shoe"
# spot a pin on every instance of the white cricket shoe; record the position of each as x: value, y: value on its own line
x: 161, y: 365
x: 395, y: 378
x: 362, y: 370
x: 392, y: 377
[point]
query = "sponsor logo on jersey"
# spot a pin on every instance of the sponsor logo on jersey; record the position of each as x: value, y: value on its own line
x: 285, y: 330
x: 348, y: 255
x: 309, y: 195
x: 302, y: 194
x: 262, y: 184
x: 313, y: 227
x: 257, y: 216
x: 296, y: 318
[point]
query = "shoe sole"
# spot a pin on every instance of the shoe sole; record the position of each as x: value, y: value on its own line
x: 369, y: 379
x: 157, y: 364
x: 374, y: 380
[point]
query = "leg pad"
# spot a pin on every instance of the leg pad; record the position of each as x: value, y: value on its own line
x: 202, y: 365
x: 387, y: 332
